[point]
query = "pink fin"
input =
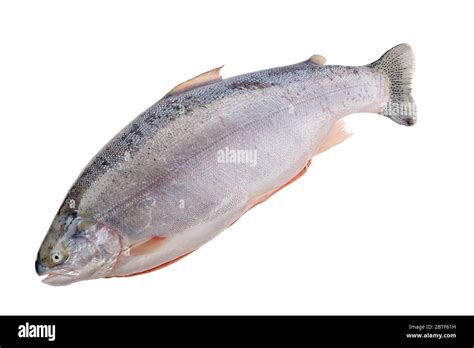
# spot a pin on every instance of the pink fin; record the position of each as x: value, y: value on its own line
x: 203, y: 79
x: 147, y: 246
x: 157, y: 267
x: 336, y: 135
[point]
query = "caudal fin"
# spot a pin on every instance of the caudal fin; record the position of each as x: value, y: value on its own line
x: 397, y: 65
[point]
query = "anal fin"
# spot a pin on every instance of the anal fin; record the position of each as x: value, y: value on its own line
x: 337, y: 135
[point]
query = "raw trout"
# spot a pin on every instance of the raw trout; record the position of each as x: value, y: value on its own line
x: 211, y: 149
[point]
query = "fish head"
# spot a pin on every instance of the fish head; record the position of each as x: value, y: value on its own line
x: 76, y: 249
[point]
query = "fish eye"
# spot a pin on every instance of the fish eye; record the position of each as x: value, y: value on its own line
x: 57, y: 257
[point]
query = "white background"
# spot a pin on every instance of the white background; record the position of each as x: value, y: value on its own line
x: 381, y: 224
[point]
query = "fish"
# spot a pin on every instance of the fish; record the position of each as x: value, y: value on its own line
x: 193, y: 163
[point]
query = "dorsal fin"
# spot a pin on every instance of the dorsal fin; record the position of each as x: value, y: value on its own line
x: 317, y: 59
x: 203, y: 79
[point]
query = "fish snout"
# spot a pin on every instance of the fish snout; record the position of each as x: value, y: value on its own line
x: 40, y: 268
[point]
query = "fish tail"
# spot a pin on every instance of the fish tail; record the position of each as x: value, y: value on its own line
x: 397, y: 65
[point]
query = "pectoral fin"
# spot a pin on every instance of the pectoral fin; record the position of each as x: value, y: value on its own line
x: 157, y: 267
x: 147, y: 246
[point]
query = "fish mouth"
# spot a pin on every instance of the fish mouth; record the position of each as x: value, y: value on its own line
x: 62, y: 276
x: 58, y: 279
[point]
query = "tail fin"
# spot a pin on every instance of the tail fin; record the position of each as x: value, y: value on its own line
x: 397, y: 64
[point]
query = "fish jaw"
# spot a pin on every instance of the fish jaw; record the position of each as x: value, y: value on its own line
x: 58, y: 279
x: 68, y: 276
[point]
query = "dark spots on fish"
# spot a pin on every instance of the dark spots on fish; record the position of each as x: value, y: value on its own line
x: 150, y: 119
x: 102, y: 160
x: 124, y: 136
x: 189, y: 100
x: 247, y: 85
x: 136, y: 130
x: 180, y: 108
